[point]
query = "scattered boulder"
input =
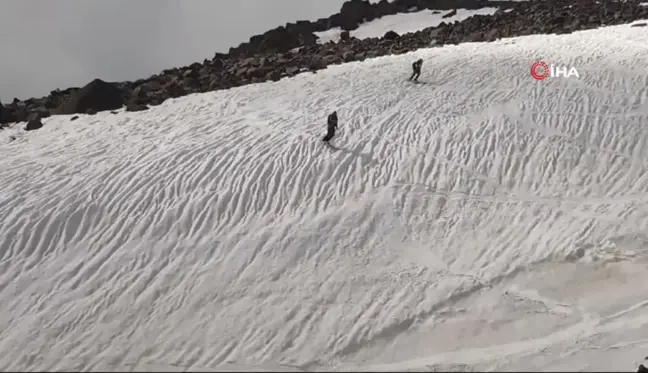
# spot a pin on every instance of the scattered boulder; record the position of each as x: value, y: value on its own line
x: 174, y: 89
x: 33, y: 124
x: 94, y: 97
x: 133, y: 106
x: 450, y: 14
x: 391, y: 35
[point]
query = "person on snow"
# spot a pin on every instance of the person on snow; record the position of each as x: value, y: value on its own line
x: 416, y: 67
x: 331, y: 126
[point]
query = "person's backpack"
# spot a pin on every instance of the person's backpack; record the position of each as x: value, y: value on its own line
x: 332, y: 120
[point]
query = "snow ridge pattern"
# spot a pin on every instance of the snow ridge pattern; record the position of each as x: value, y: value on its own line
x: 477, y: 220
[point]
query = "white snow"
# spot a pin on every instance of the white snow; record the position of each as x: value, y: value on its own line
x: 402, y: 23
x: 216, y: 232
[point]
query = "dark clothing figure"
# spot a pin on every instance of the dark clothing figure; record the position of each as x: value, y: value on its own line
x: 416, y: 67
x: 332, y: 125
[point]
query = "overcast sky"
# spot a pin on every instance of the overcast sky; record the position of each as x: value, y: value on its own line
x: 49, y: 44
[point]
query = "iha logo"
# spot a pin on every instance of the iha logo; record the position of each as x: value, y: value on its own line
x: 541, y: 71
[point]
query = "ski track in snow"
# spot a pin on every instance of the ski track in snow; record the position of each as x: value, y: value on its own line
x: 217, y: 231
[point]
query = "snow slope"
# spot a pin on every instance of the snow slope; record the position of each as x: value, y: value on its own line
x: 402, y: 23
x: 481, y: 221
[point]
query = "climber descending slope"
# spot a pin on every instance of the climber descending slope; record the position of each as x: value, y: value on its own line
x: 416, y: 70
x: 332, y: 125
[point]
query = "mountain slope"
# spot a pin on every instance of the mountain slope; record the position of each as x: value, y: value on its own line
x: 404, y: 23
x: 217, y: 228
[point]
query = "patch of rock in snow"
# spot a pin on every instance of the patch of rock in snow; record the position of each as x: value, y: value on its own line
x: 402, y: 23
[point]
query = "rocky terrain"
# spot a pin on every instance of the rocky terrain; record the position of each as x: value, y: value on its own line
x: 292, y: 49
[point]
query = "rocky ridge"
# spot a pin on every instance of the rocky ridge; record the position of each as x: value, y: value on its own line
x: 293, y: 49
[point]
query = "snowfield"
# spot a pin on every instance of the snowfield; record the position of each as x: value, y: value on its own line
x: 402, y: 23
x: 481, y: 220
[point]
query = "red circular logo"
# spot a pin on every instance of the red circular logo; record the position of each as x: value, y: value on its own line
x: 539, y: 70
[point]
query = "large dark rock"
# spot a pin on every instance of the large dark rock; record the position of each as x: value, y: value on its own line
x: 94, y: 97
x: 33, y: 124
x: 133, y: 106
x: 391, y: 35
x: 450, y: 14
